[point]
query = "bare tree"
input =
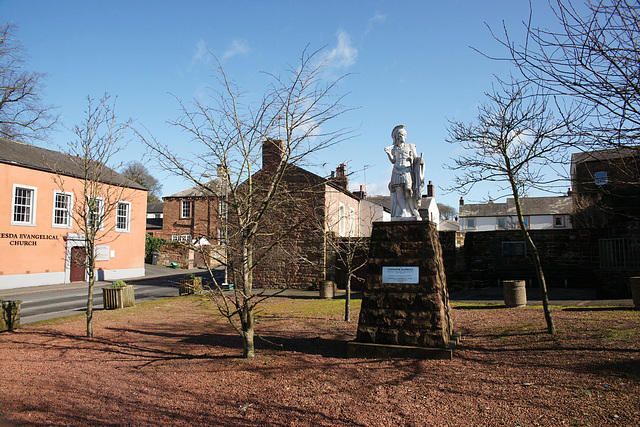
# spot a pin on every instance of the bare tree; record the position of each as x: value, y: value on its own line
x: 137, y: 172
x: 97, y: 139
x: 22, y: 113
x: 514, y: 138
x: 228, y: 135
x: 593, y: 60
x: 447, y: 212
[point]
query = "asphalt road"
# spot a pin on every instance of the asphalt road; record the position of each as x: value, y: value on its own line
x: 59, y: 301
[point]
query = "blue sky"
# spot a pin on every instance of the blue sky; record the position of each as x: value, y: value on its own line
x: 411, y: 62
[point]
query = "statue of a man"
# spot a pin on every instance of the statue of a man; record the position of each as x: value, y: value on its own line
x: 407, y: 178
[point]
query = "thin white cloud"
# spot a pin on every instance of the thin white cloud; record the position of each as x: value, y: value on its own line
x: 202, y: 53
x: 238, y: 47
x: 375, y: 19
x: 344, y: 54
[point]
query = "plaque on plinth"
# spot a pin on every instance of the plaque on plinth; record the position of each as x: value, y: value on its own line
x: 405, y: 306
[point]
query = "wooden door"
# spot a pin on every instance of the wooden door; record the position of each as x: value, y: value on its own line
x: 78, y: 258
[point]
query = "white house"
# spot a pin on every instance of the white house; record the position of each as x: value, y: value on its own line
x: 540, y: 213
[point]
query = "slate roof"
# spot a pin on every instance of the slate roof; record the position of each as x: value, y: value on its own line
x: 207, y: 189
x: 32, y: 157
x: 155, y: 207
x: 530, y: 206
x: 602, y: 155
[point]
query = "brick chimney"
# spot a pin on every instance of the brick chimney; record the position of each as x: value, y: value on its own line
x: 461, y: 201
x: 272, y: 150
x: 430, y: 189
x: 361, y: 194
x: 340, y: 177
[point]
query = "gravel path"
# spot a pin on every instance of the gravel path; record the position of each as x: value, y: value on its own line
x: 175, y: 362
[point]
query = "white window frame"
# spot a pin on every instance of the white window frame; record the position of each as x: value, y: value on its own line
x: 100, y: 213
x: 68, y: 208
x: 31, y: 222
x: 181, y: 237
x: 182, y: 206
x: 127, y: 216
x: 562, y: 219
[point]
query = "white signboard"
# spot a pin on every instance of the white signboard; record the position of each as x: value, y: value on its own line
x: 400, y: 275
x: 102, y: 253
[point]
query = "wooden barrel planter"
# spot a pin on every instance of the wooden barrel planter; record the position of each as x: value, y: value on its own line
x: 515, y: 293
x: 9, y: 315
x: 118, y: 297
x: 189, y: 286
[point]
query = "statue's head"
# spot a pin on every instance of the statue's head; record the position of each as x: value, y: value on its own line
x: 395, y: 133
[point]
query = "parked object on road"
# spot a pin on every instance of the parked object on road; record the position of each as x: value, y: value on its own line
x: 118, y: 295
x: 9, y: 315
x: 190, y: 284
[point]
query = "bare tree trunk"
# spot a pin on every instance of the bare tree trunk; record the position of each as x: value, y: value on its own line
x: 246, y: 312
x: 90, y: 305
x: 536, y: 260
x: 248, y: 348
x: 347, y: 301
x: 91, y: 282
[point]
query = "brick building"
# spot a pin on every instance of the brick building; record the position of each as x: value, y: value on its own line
x: 606, y: 187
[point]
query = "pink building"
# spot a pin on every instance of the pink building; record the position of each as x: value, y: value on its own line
x: 40, y: 194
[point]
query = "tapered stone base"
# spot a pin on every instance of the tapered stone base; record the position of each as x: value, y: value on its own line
x: 414, y: 313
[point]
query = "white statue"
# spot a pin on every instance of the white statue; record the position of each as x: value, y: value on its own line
x: 407, y: 178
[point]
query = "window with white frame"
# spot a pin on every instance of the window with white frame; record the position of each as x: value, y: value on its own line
x: 181, y: 237
x: 95, y: 212
x: 123, y: 216
x: 471, y: 224
x: 525, y: 219
x: 186, y: 209
x: 62, y: 209
x: 342, y: 220
x: 559, y: 221
x: 23, y: 205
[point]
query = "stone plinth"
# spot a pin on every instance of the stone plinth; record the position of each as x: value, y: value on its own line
x: 412, y: 315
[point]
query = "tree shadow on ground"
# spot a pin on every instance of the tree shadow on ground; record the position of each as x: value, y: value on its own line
x: 603, y: 308
x: 477, y: 307
x: 308, y: 345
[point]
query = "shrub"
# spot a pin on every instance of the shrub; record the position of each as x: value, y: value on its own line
x: 119, y: 284
x: 153, y: 244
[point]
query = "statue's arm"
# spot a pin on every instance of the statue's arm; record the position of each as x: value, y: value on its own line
x: 389, y: 151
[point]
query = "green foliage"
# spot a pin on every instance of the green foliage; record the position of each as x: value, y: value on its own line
x: 153, y: 244
x: 189, y: 276
x: 119, y: 284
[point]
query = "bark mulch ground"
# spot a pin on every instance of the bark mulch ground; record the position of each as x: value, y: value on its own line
x: 175, y: 362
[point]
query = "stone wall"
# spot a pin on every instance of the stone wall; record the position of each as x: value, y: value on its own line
x: 570, y: 258
x: 406, y: 314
